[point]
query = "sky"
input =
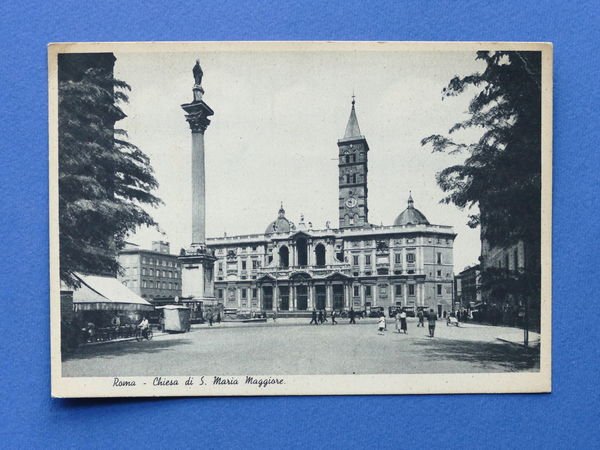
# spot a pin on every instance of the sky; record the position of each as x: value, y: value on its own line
x: 273, y: 137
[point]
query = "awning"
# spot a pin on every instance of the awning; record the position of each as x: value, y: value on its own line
x: 172, y: 307
x: 98, y: 293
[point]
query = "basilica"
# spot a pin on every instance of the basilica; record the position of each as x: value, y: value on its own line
x: 293, y: 268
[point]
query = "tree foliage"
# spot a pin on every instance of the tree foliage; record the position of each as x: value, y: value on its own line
x: 104, y: 180
x: 502, y: 170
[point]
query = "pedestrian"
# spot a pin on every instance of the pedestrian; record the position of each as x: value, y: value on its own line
x: 397, y: 319
x: 325, y: 316
x: 351, y: 314
x: 274, y: 316
x: 431, y: 319
x: 209, y: 316
x: 421, y: 317
x: 381, y: 324
x: 314, y: 317
x: 320, y: 316
x: 333, y: 322
x: 403, y: 325
x: 219, y: 317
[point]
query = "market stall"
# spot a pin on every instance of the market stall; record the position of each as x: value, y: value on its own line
x: 176, y: 318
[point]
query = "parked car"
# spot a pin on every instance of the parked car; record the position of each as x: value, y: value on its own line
x: 410, y: 311
x: 359, y: 314
x: 376, y: 311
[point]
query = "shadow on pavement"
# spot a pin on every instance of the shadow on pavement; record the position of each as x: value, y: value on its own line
x: 123, y: 348
x: 481, y: 353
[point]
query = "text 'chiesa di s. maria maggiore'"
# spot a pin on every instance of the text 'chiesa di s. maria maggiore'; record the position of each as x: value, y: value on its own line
x: 292, y: 268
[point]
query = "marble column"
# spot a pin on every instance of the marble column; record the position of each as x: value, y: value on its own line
x: 197, y: 262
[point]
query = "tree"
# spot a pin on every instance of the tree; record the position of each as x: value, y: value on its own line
x: 502, y: 170
x: 104, y: 180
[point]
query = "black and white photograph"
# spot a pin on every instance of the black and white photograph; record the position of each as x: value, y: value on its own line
x: 300, y: 218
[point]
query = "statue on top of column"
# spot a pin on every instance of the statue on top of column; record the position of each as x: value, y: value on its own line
x: 198, y: 73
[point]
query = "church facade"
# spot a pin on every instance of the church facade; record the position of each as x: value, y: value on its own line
x: 292, y: 268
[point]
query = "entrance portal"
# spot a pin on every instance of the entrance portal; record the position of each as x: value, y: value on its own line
x: 301, y: 298
x: 338, y: 296
x: 268, y: 297
x: 284, y: 298
x: 321, y: 297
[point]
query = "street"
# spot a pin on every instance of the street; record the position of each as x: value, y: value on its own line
x: 292, y: 347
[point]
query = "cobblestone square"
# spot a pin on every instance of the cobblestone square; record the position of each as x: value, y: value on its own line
x: 292, y: 347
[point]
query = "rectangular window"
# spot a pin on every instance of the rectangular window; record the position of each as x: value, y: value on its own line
x: 143, y: 260
x: 410, y: 258
x: 219, y: 293
x: 368, y: 260
x: 355, y: 260
x: 243, y: 265
x: 254, y: 293
x: 398, y: 258
x: 144, y: 271
x: 439, y: 258
x: 398, y: 290
x: 145, y: 283
x: 151, y: 272
x: 244, y: 294
x: 439, y: 289
x: 368, y: 291
x: 255, y: 264
x: 516, y: 259
x: 411, y: 290
x: 356, y: 291
x: 439, y: 273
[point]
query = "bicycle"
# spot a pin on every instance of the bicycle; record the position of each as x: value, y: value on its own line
x: 139, y: 334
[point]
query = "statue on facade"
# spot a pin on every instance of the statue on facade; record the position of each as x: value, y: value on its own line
x: 197, y: 70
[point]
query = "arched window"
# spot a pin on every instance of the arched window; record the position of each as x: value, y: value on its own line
x: 320, y: 255
x: 284, y: 257
x: 302, y: 251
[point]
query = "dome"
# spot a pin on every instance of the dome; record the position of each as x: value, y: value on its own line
x: 411, y: 215
x: 281, y: 224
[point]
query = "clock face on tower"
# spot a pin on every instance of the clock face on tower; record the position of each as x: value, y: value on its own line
x: 351, y: 202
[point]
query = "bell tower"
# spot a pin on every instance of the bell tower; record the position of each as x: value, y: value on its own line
x: 352, y: 164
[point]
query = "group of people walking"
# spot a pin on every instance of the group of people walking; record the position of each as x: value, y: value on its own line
x: 401, y: 324
x: 320, y: 317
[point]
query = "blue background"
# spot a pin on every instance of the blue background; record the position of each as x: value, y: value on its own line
x: 567, y: 417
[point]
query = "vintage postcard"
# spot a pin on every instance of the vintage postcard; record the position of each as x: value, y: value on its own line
x: 300, y: 218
